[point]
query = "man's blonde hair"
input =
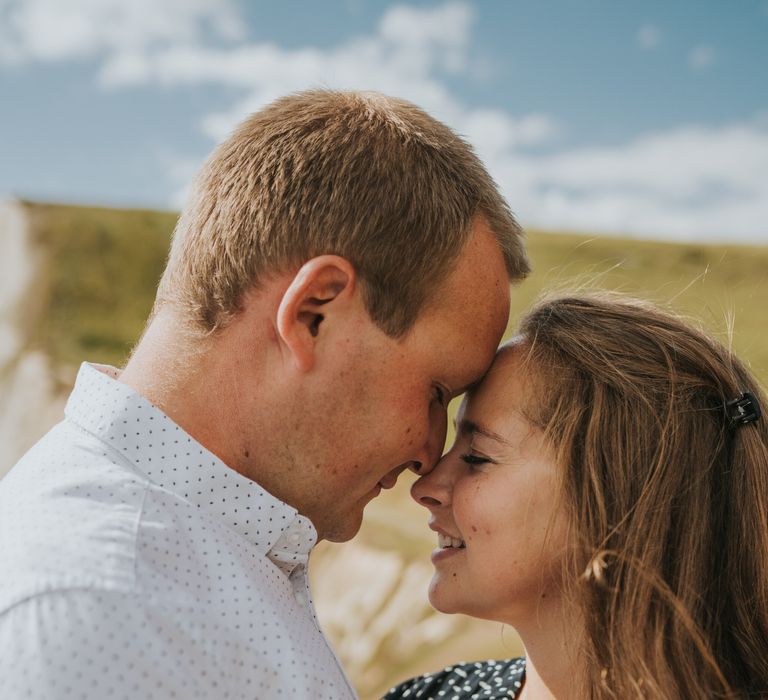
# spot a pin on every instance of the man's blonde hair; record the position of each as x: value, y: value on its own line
x: 368, y: 177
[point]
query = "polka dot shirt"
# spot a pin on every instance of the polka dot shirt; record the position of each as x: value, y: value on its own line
x: 482, y: 680
x: 136, y: 564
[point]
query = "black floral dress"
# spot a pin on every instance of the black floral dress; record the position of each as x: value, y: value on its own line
x: 486, y: 680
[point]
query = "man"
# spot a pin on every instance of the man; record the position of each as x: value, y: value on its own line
x: 340, y: 272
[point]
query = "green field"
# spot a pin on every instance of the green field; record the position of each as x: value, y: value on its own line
x: 101, y: 267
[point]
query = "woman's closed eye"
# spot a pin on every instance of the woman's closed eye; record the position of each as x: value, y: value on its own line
x: 475, y: 460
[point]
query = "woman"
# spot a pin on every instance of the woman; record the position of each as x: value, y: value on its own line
x: 607, y: 496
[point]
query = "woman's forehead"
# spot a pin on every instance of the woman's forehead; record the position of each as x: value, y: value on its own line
x: 504, y: 391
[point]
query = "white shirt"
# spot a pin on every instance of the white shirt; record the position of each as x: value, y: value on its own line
x: 135, y: 564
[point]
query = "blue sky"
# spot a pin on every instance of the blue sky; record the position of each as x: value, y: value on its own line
x: 603, y: 115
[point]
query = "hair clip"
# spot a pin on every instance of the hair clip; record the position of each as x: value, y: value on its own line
x: 743, y: 410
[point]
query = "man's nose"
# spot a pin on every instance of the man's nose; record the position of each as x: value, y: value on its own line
x: 433, y: 445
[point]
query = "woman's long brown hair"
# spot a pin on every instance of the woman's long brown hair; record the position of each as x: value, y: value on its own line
x: 669, y: 501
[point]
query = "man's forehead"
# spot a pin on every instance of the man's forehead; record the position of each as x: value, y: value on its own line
x: 462, y: 326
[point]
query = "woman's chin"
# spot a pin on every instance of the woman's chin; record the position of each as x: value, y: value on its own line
x: 442, y: 600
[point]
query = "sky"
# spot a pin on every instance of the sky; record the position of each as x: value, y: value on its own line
x: 645, y: 119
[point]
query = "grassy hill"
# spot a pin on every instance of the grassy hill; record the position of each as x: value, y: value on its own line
x: 101, y: 267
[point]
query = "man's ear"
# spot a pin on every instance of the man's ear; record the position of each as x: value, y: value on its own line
x: 321, y: 285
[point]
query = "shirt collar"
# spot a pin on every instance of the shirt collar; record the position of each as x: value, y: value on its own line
x: 175, y: 461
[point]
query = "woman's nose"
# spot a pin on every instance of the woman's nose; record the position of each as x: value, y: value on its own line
x: 433, y: 489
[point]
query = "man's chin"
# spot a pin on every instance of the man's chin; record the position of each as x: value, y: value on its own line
x: 341, y: 529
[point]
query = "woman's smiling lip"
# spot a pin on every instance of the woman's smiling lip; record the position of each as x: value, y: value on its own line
x: 441, y: 531
x: 443, y: 553
x: 448, y: 544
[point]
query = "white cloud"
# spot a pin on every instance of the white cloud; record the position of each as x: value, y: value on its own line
x: 701, y: 57
x: 408, y: 41
x: 58, y: 30
x: 408, y: 55
x: 180, y: 171
x: 442, y: 31
x: 493, y: 132
x: 692, y: 182
x: 648, y: 36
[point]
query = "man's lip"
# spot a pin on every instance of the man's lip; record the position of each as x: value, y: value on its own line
x: 387, y: 482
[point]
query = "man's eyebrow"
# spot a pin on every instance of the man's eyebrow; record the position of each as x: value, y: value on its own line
x: 471, y: 428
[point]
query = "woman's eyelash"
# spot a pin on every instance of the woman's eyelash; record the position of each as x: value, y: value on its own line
x: 470, y: 458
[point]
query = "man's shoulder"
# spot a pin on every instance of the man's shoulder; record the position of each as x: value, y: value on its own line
x: 88, y: 643
x: 69, y: 511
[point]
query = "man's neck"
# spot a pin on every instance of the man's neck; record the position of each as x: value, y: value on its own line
x: 222, y: 391
x: 191, y: 386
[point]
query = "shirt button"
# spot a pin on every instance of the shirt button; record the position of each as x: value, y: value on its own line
x: 293, y: 538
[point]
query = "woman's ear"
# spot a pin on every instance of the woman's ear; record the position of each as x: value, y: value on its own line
x: 322, y: 285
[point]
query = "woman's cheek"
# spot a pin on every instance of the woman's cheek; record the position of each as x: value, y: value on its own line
x: 473, y: 509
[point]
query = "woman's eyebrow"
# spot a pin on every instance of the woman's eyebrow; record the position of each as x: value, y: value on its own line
x: 469, y: 427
